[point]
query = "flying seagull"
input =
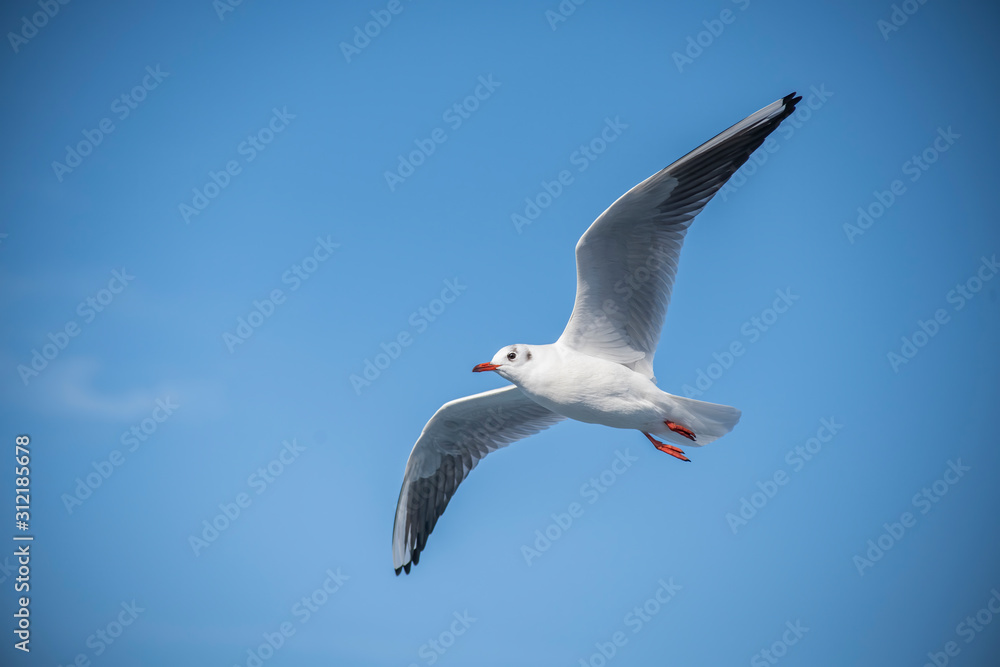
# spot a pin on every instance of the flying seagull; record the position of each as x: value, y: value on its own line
x: 600, y: 371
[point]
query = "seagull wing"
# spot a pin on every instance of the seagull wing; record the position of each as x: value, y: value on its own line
x: 459, y: 434
x: 626, y: 261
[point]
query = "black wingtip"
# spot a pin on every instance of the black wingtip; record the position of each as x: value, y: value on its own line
x: 789, y: 101
x: 398, y: 570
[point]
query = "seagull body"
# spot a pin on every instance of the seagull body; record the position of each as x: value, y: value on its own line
x: 600, y: 370
x: 597, y: 391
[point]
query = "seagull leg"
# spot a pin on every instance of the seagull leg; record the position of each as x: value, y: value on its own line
x: 677, y: 428
x: 676, y: 452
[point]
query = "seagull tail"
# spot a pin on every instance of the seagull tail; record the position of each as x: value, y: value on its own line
x: 709, y: 421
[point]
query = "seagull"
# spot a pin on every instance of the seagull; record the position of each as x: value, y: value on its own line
x: 600, y: 370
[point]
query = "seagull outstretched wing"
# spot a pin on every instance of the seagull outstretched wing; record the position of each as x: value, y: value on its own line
x: 626, y: 261
x: 452, y: 443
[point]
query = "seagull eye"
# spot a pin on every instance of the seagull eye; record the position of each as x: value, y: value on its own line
x: 511, y: 356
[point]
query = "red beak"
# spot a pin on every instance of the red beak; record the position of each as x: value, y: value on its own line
x: 479, y: 368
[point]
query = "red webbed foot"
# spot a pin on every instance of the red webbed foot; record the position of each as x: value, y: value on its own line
x: 676, y: 452
x: 677, y: 428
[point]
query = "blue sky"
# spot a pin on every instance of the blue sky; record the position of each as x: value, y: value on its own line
x: 219, y: 249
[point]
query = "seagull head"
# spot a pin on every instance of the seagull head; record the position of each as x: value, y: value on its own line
x: 508, y: 362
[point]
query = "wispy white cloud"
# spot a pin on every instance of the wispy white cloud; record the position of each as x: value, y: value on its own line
x: 72, y: 388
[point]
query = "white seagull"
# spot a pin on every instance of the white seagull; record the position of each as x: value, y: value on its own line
x: 600, y: 371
